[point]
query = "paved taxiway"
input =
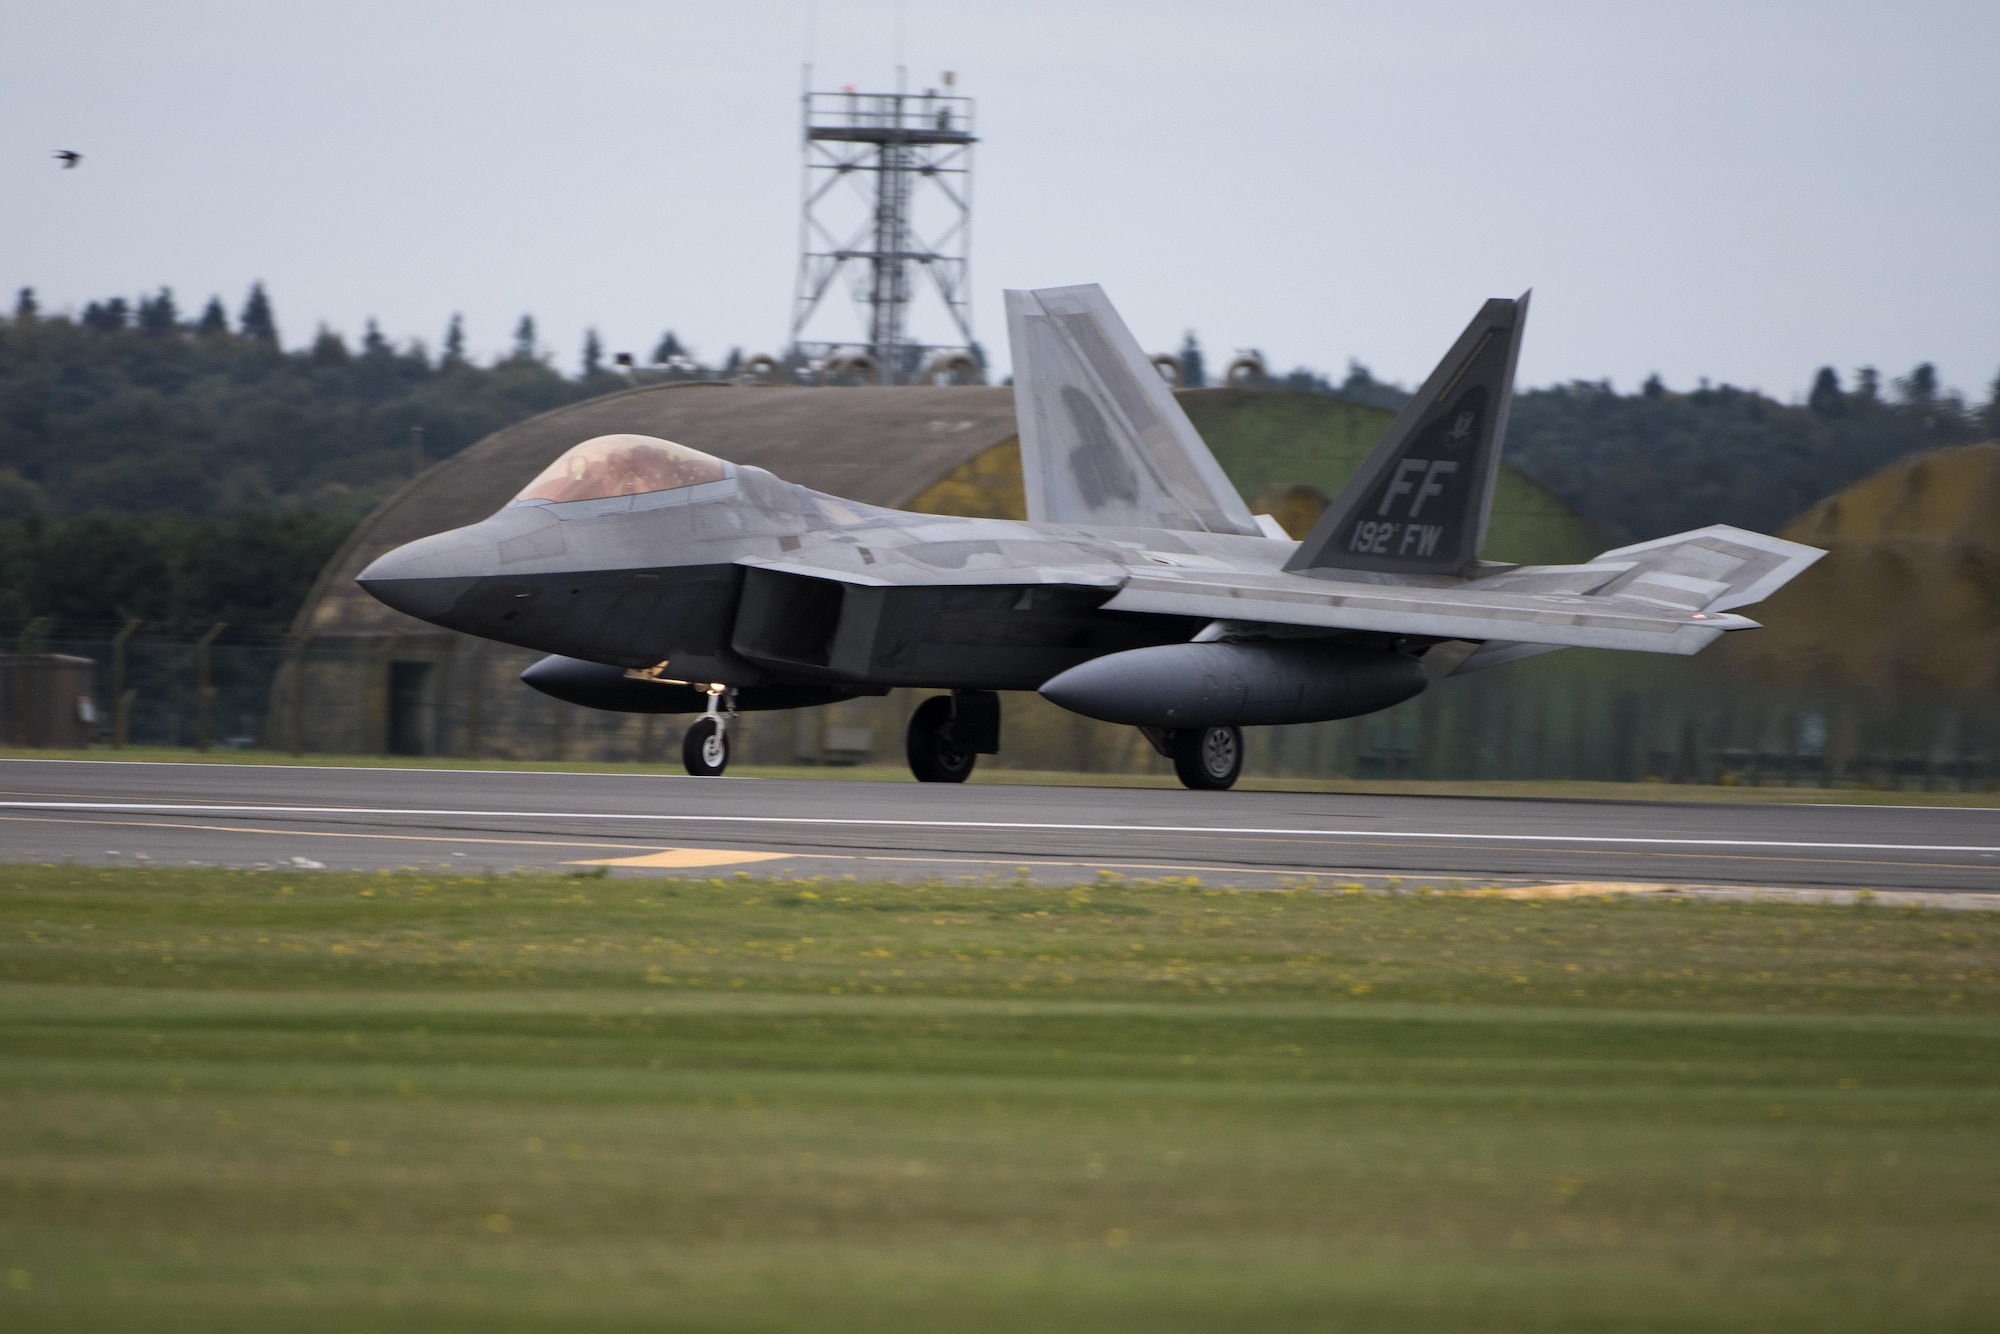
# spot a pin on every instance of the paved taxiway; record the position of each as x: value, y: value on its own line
x: 369, y: 818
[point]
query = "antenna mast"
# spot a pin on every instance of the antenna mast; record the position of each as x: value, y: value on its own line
x: 873, y: 162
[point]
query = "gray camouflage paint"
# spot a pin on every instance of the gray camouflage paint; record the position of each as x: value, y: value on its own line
x: 1135, y: 539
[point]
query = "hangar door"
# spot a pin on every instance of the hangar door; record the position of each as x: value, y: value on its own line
x: 409, y: 708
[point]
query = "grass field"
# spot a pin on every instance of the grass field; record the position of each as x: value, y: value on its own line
x: 237, y: 1101
x: 1563, y: 789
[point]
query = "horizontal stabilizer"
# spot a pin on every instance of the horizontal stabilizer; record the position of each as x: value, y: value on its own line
x: 1671, y: 595
x: 1103, y: 443
x: 1708, y: 570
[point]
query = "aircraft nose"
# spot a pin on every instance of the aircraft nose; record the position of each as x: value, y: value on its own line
x: 417, y: 579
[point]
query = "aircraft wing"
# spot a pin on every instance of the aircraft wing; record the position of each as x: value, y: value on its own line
x: 905, y: 574
x: 1671, y: 595
x: 1103, y: 443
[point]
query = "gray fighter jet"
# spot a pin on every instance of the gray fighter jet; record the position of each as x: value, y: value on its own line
x: 1140, y: 590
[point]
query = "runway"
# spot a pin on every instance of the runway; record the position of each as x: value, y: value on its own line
x: 362, y: 818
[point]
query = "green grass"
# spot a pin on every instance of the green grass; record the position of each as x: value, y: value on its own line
x: 1559, y: 789
x: 237, y: 1101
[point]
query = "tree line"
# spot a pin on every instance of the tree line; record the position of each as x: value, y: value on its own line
x: 177, y: 573
x: 185, y: 469
x: 188, y: 469
x: 1659, y: 461
x: 131, y: 408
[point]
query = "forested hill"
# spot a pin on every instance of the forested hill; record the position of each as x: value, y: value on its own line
x: 134, y: 409
x: 190, y: 470
x: 186, y: 470
x: 1659, y: 462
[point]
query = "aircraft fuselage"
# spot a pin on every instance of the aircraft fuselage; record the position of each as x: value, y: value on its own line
x: 757, y: 581
x: 662, y: 579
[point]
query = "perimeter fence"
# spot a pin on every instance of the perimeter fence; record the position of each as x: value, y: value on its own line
x: 1572, y: 715
x: 176, y: 687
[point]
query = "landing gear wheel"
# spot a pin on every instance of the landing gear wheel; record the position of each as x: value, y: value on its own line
x: 935, y: 756
x: 705, y: 749
x: 1207, y: 758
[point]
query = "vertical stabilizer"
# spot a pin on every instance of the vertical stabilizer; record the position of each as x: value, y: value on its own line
x: 1102, y: 440
x: 1419, y: 502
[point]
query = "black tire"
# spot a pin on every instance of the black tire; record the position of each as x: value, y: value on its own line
x: 1208, y: 759
x: 705, y: 749
x: 934, y: 756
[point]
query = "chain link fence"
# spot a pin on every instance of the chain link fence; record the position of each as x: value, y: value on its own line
x: 1572, y: 715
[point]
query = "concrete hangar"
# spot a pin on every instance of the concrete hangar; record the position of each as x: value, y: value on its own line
x: 362, y: 678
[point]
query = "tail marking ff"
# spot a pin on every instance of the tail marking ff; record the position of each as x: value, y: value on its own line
x: 1419, y: 502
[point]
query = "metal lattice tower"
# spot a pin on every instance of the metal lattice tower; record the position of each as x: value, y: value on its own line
x: 888, y: 190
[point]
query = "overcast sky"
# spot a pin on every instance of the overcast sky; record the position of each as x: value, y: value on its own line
x: 1742, y: 191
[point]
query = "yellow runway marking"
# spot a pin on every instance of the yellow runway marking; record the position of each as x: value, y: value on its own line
x: 687, y: 858
x: 1040, y: 860
x: 1583, y: 889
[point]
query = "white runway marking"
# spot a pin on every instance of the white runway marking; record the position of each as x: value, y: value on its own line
x: 1623, y: 840
x: 1648, y: 798
x: 1033, y: 859
x: 230, y: 766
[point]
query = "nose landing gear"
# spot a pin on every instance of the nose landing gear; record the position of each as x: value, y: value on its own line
x: 705, y: 748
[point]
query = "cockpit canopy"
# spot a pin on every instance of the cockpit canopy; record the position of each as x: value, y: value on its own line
x: 609, y: 466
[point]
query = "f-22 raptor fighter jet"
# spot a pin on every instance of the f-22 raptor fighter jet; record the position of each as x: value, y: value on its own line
x: 1140, y: 589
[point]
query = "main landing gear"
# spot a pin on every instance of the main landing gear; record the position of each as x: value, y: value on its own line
x: 948, y: 734
x: 705, y: 748
x: 1208, y: 759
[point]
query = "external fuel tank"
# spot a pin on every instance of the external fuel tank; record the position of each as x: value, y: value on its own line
x: 1242, y: 684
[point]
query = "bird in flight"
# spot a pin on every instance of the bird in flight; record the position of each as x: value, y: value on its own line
x: 69, y: 157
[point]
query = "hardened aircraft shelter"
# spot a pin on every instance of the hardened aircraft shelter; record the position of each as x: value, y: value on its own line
x: 362, y: 678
